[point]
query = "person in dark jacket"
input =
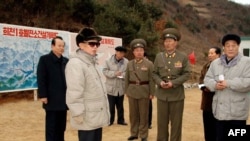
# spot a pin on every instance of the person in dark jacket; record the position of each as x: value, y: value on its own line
x: 209, y: 121
x: 52, y: 90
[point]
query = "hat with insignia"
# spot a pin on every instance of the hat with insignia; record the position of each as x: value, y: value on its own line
x: 171, y: 33
x: 85, y: 34
x: 121, y: 49
x: 138, y: 43
x: 234, y: 37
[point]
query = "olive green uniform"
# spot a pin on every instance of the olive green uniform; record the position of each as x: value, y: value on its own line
x: 139, y: 86
x: 170, y: 102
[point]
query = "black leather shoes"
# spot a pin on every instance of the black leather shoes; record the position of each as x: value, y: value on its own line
x: 144, y: 139
x: 123, y: 123
x: 132, y: 138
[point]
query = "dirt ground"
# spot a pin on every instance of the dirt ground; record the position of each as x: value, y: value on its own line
x: 22, y: 119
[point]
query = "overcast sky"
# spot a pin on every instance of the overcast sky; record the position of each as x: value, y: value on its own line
x: 242, y: 1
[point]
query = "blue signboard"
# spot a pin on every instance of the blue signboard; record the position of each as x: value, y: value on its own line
x: 20, y: 50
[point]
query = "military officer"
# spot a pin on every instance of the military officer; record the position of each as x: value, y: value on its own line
x: 139, y: 88
x: 171, y: 70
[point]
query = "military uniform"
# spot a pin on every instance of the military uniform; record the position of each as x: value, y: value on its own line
x: 139, y: 86
x: 172, y: 67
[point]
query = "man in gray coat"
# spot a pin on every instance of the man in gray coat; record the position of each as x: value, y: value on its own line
x: 114, y: 70
x: 229, y: 77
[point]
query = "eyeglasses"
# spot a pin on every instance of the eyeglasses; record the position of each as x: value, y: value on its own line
x: 93, y: 44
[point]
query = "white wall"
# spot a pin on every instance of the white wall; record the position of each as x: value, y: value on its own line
x: 245, y: 44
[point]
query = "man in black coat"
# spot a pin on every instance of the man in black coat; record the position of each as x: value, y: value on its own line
x: 52, y: 90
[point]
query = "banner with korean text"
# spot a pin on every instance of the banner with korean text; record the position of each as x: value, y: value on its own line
x: 21, y: 48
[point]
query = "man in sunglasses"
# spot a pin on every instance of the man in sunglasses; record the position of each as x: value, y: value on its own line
x: 86, y: 94
x: 114, y: 70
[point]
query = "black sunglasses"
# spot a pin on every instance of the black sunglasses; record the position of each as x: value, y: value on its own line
x: 93, y: 44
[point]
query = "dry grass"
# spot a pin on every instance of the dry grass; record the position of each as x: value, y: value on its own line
x: 22, y: 119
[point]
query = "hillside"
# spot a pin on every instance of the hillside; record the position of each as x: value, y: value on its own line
x: 201, y: 22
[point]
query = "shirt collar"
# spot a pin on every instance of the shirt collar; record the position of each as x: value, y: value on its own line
x: 138, y: 61
x: 118, y: 61
x: 230, y: 63
x: 170, y: 55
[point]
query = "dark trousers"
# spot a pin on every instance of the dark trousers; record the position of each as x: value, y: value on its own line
x: 150, y: 113
x: 116, y: 102
x: 55, y: 125
x: 209, y: 124
x: 90, y: 135
x: 222, y: 125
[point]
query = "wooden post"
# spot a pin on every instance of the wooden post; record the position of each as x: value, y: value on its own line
x: 192, y: 73
x: 35, y: 95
